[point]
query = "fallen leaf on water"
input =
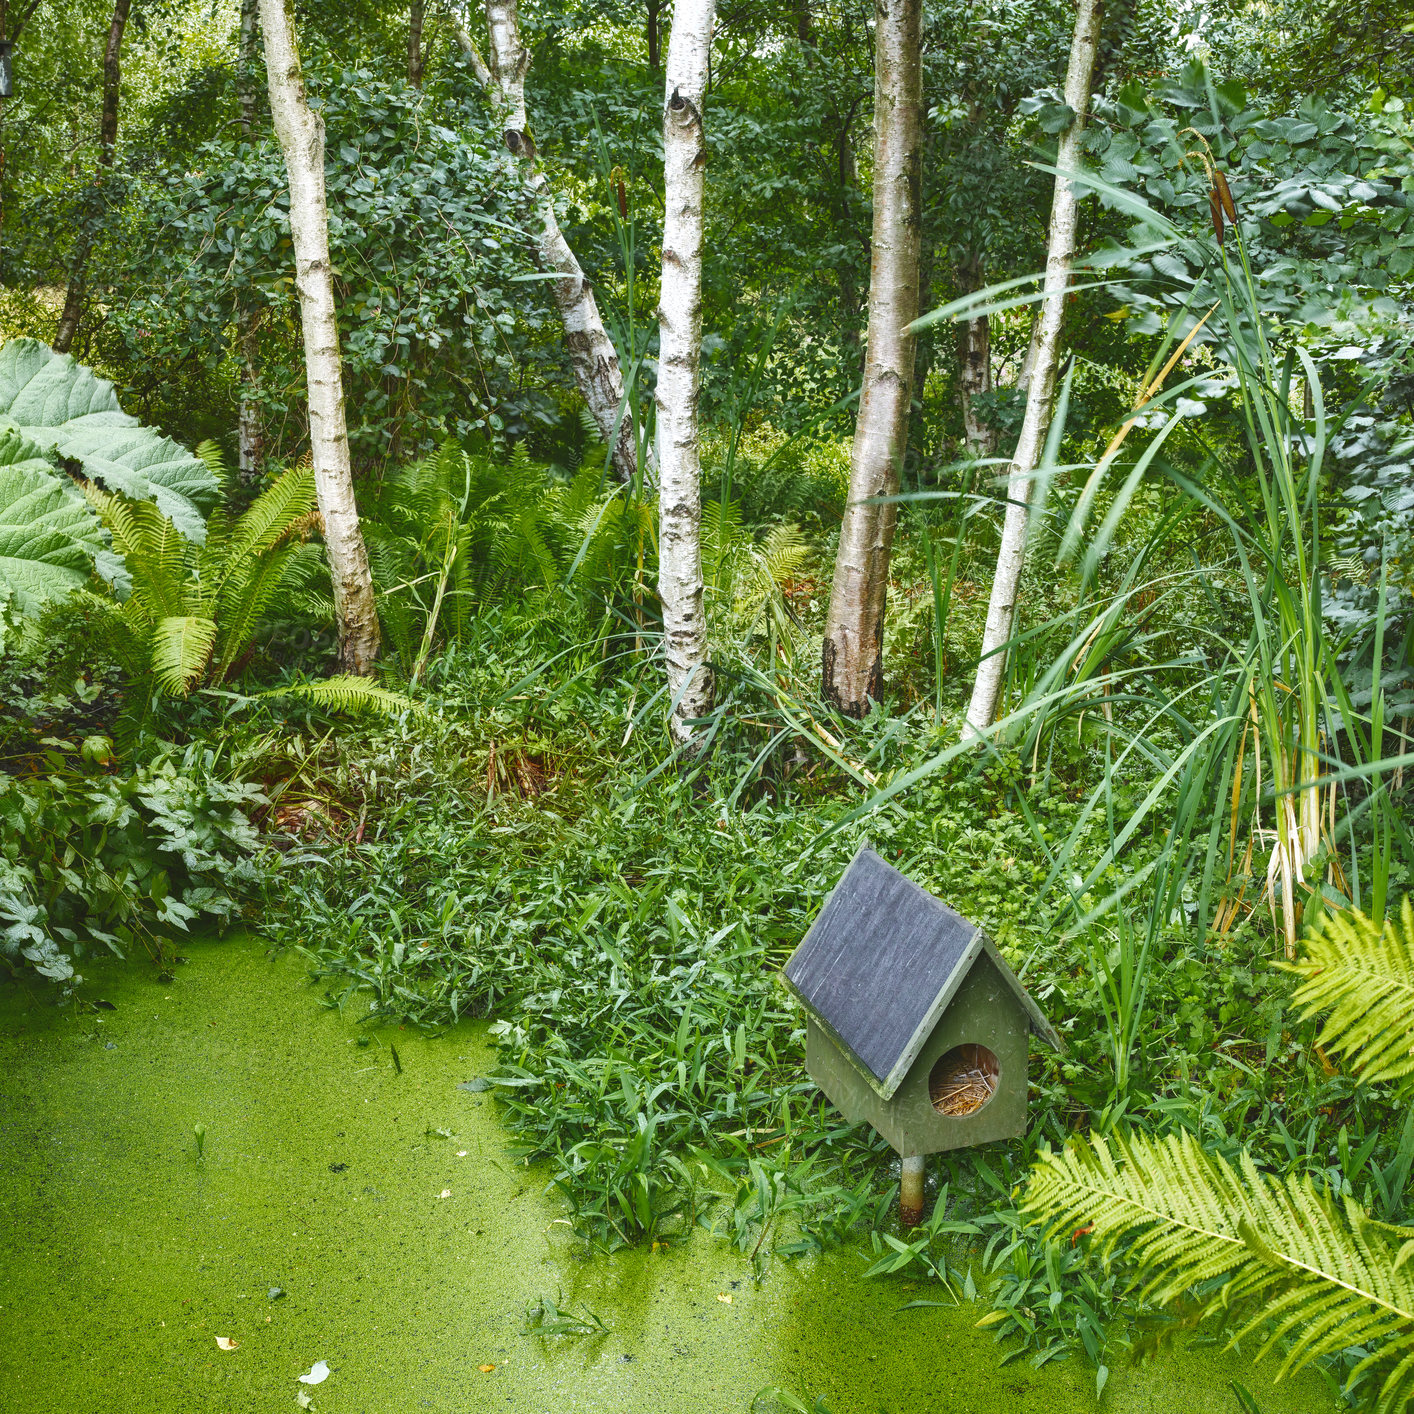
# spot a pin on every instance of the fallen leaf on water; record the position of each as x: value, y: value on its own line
x: 317, y: 1375
x: 725, y: 1298
x: 485, y: 1369
x: 303, y: 1399
x: 226, y: 1343
x: 445, y: 1193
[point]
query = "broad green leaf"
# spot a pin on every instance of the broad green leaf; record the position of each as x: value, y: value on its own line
x: 65, y: 409
x: 48, y: 536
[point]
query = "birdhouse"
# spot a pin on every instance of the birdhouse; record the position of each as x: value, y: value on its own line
x: 914, y: 1020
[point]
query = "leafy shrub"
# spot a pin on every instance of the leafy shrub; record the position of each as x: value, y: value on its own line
x: 118, y: 861
x: 424, y: 231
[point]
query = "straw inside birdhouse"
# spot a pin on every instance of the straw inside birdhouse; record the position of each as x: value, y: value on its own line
x: 963, y: 1080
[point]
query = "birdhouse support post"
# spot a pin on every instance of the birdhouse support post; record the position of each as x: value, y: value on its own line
x: 910, y: 1190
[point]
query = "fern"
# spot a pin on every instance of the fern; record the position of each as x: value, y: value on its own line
x: 181, y: 649
x: 197, y: 609
x: 1364, y: 976
x: 278, y: 509
x: 1328, y: 1277
x: 349, y: 693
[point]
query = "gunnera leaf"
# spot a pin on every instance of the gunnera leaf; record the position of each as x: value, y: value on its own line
x: 67, y: 410
x: 48, y: 536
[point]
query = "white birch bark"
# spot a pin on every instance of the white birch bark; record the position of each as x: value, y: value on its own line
x: 679, y: 347
x: 250, y: 432
x: 1044, y: 358
x: 853, y: 654
x: 301, y: 134
x: 593, y: 357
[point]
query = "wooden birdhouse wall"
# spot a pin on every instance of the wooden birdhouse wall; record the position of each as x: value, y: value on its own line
x: 983, y: 1012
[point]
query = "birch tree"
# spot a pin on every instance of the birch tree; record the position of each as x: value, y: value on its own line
x: 853, y: 655
x: 301, y: 135
x: 593, y: 357
x: 107, y: 148
x: 1044, y: 360
x: 250, y: 437
x: 679, y: 347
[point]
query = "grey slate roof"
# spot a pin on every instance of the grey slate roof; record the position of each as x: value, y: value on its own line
x: 882, y: 961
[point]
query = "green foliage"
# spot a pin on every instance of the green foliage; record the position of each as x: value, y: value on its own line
x: 425, y: 231
x: 69, y: 413
x: 1363, y: 974
x: 47, y: 537
x: 94, y: 860
x: 1277, y: 1256
x: 461, y: 530
x: 192, y: 609
x: 345, y: 692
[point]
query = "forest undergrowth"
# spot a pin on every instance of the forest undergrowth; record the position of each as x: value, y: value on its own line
x: 521, y: 854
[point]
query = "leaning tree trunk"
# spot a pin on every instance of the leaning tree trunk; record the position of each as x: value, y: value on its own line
x: 592, y: 354
x: 107, y: 147
x: 301, y: 134
x: 679, y: 346
x: 853, y: 658
x: 974, y: 364
x: 1044, y: 360
x: 250, y: 431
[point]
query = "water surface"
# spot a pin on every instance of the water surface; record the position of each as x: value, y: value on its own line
x: 124, y: 1255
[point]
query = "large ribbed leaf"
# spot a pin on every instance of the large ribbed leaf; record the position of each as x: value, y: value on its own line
x: 65, y: 409
x: 48, y: 536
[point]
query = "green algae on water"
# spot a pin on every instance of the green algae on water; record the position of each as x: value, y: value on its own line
x: 348, y: 1211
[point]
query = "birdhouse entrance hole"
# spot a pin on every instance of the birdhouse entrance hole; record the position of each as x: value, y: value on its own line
x: 963, y: 1080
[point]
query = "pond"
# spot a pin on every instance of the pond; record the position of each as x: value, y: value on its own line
x: 342, y: 1210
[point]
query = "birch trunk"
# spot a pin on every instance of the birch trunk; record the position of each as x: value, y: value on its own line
x: 974, y: 364
x: 679, y: 346
x: 853, y: 657
x: 107, y: 147
x: 301, y: 134
x: 1044, y: 359
x: 592, y: 354
x: 250, y: 432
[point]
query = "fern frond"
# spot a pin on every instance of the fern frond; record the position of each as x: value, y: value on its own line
x: 783, y: 552
x: 348, y: 692
x: 245, y: 597
x: 181, y: 649
x: 158, y: 557
x: 273, y: 515
x: 215, y: 461
x: 1328, y: 1278
x: 1364, y: 976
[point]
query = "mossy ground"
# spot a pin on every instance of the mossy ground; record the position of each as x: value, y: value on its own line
x: 126, y: 1254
